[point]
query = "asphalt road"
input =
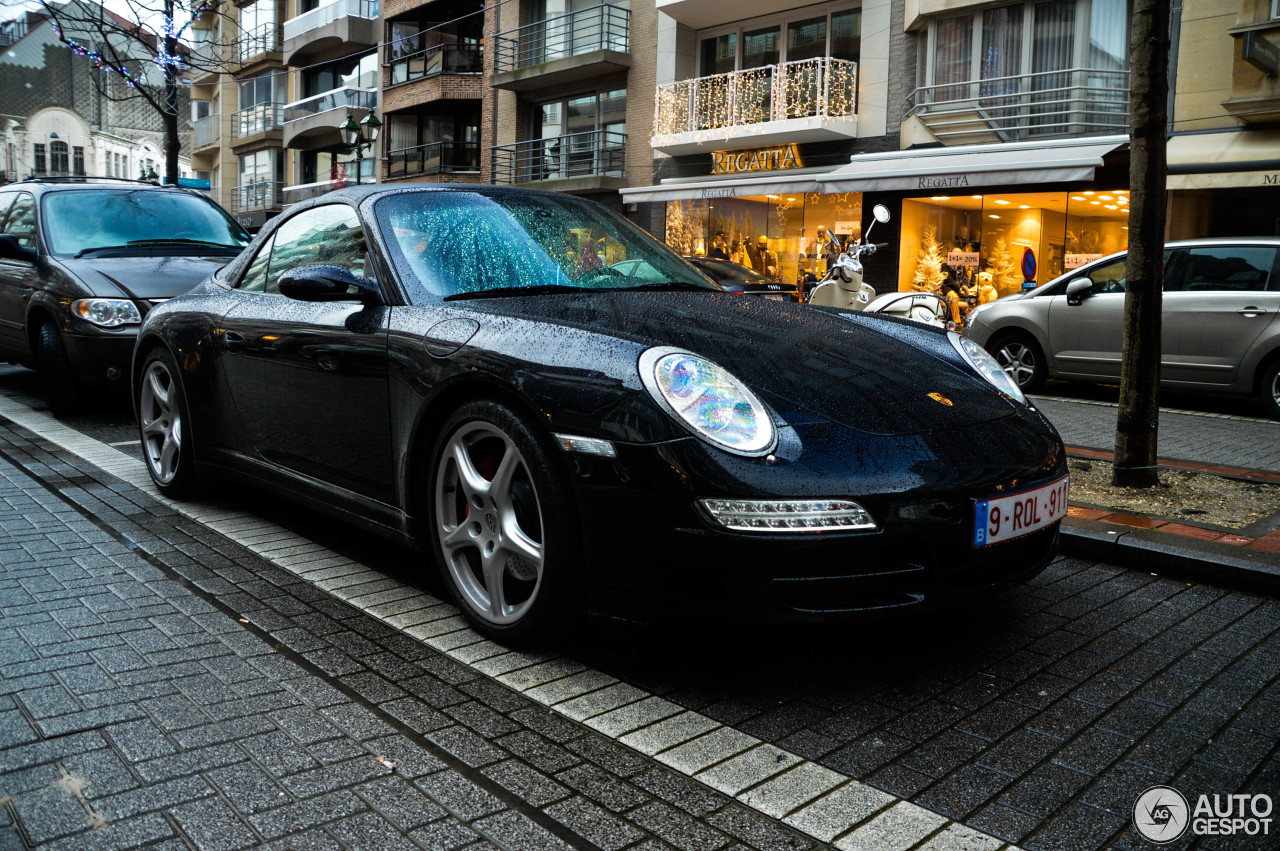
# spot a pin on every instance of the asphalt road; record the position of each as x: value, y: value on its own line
x: 1038, y: 718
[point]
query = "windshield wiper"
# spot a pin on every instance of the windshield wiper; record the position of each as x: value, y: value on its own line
x: 142, y: 243
x: 499, y: 292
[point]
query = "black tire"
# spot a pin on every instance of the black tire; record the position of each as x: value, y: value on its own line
x: 164, y: 425
x: 512, y: 513
x: 1022, y: 358
x: 1269, y: 388
x: 57, y: 380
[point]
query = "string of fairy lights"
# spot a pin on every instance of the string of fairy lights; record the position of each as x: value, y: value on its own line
x: 162, y: 58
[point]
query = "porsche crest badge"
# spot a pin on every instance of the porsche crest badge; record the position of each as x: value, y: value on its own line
x: 940, y: 399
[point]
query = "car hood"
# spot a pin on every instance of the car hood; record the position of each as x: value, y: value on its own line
x: 146, y: 277
x: 867, y: 373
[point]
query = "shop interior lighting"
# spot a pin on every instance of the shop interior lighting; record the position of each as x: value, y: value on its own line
x: 1078, y: 198
x: 993, y: 216
x: 1001, y: 201
x: 976, y: 197
x: 1107, y: 197
x: 1086, y: 192
x: 807, y: 515
x: 1024, y: 207
x: 941, y: 198
x: 1112, y: 207
x: 771, y: 196
x: 1096, y: 203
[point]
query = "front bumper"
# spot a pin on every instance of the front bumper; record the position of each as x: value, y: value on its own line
x: 100, y: 357
x: 652, y: 555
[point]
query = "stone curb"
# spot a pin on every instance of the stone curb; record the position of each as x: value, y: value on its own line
x: 1173, y: 555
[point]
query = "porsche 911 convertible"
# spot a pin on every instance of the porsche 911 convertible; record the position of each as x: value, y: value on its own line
x: 459, y: 367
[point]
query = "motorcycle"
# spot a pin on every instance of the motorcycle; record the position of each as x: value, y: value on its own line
x: 843, y: 286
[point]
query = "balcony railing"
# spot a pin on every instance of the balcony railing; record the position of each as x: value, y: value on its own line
x: 1051, y: 103
x: 599, y: 153
x: 257, y: 119
x: 328, y: 13
x: 348, y: 96
x: 820, y: 87
x: 602, y: 27
x: 441, y: 59
x: 205, y: 131
x: 256, y: 196
x: 434, y: 158
x: 259, y: 40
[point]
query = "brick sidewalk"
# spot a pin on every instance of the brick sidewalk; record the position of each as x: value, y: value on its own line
x: 144, y: 696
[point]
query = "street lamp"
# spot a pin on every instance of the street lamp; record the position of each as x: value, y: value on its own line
x: 357, y: 137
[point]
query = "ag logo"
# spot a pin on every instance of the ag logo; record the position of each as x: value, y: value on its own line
x: 1161, y: 814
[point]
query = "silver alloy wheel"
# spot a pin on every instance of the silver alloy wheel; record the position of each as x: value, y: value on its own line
x: 1275, y: 389
x: 485, y: 544
x: 1018, y: 361
x: 161, y: 422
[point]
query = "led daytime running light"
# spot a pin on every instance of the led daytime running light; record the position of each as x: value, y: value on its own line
x: 789, y: 515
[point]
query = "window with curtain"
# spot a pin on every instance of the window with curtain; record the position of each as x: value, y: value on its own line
x: 953, y: 56
x: 846, y: 35
x: 1052, y: 53
x: 77, y: 160
x: 1001, y: 61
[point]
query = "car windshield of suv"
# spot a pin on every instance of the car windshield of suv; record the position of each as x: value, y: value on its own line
x: 78, y: 222
x: 457, y: 244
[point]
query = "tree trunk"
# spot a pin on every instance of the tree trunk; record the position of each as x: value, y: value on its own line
x: 172, y: 144
x: 1137, y: 422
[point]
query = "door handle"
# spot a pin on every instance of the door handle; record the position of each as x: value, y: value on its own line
x: 234, y: 340
x: 1251, y: 311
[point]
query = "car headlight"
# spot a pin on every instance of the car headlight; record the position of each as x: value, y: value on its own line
x: 708, y: 400
x: 107, y: 312
x: 986, y: 366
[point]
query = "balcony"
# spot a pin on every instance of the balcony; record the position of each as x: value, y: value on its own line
x: 699, y: 14
x: 1073, y: 102
x: 434, y: 158
x: 333, y: 29
x: 313, y: 122
x: 444, y: 72
x: 249, y: 125
x: 584, y: 45
x: 813, y: 100
x: 257, y: 43
x: 434, y: 61
x: 205, y: 132
x: 577, y: 162
x: 256, y: 197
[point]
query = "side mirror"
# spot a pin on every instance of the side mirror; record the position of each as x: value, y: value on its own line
x: 881, y: 212
x: 1078, y: 289
x: 328, y: 282
x: 11, y: 249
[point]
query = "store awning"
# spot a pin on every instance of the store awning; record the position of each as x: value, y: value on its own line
x: 951, y: 169
x: 686, y: 189
x: 1233, y: 160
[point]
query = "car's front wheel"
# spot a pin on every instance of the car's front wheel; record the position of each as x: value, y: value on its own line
x: 1269, y: 388
x: 57, y: 380
x: 1021, y: 357
x: 503, y: 525
x: 163, y: 424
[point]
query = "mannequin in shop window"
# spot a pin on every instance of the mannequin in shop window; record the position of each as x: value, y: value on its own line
x: 719, y: 248
x: 961, y: 288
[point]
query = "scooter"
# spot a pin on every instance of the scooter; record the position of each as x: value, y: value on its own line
x: 843, y: 286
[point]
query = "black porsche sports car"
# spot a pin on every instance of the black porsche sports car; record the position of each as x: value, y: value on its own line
x: 444, y: 365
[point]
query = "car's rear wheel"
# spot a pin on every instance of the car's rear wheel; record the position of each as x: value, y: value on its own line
x: 163, y: 425
x: 61, y: 390
x: 503, y: 525
x: 1269, y: 388
x: 1021, y: 357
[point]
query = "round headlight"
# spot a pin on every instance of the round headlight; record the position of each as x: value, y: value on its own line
x: 708, y: 401
x: 107, y: 312
x: 986, y: 366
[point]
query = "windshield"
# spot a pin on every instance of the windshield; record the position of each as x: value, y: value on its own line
x: 456, y: 243
x: 81, y: 221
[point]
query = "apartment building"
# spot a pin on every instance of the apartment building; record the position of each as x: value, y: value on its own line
x: 239, y: 85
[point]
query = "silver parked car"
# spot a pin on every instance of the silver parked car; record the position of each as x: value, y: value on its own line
x: 1220, y: 327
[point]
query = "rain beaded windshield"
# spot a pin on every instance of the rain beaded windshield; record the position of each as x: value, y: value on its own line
x: 454, y: 244
x: 78, y: 222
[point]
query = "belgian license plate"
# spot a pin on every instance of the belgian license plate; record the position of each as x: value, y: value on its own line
x: 775, y: 297
x: 1009, y: 517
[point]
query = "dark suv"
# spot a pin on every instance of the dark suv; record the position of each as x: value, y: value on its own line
x: 81, y: 263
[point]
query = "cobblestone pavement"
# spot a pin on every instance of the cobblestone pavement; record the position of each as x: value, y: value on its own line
x: 1037, y: 719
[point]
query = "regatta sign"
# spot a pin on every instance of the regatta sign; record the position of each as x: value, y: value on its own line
x: 759, y: 159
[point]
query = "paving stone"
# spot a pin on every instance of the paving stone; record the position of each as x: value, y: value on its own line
x: 213, y: 826
x: 331, y: 777
x: 403, y: 804
x: 466, y: 746
x: 458, y: 795
x: 49, y: 813
x: 747, y: 769
x: 129, y: 834
x: 249, y: 788
x: 895, y: 829
x: 757, y: 830
x: 444, y: 835
x: 688, y: 795
x: 718, y: 745
x: 151, y: 798
x: 304, y: 815
x: 526, y: 782
x: 603, y: 787
x: 595, y: 824
x: 677, y: 828
x: 370, y: 832
x: 140, y: 740
x: 107, y: 773
x: 837, y: 811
